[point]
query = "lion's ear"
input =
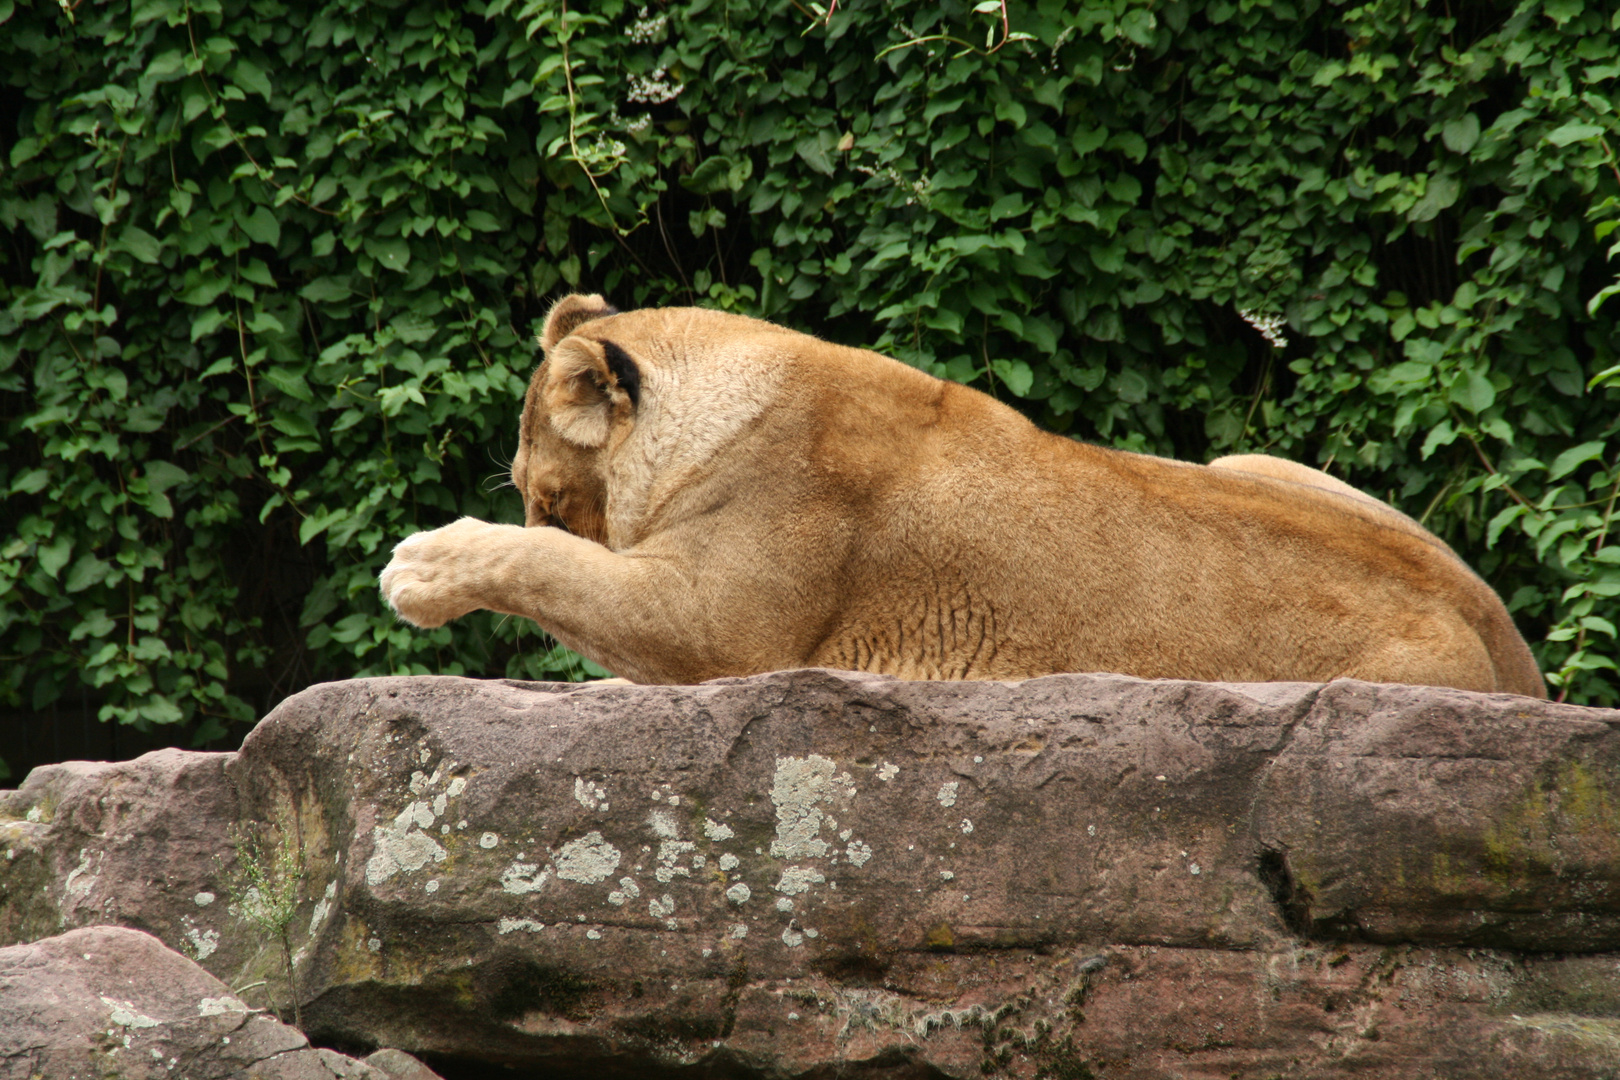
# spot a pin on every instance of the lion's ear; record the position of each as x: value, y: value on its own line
x: 589, y: 386
x: 569, y: 314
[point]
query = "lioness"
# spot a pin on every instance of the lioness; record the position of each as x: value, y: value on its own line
x: 710, y: 495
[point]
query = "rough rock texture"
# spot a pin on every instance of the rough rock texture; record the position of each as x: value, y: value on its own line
x: 813, y: 873
x: 132, y: 843
x: 107, y: 1001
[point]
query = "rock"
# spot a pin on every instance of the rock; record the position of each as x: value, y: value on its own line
x: 133, y: 843
x: 108, y: 1001
x: 810, y: 870
x: 1401, y: 814
x: 398, y: 1065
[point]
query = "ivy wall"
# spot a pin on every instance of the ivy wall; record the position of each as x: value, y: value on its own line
x: 271, y: 270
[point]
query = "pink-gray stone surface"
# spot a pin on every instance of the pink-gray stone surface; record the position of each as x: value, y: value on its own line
x: 818, y: 873
x: 106, y: 1001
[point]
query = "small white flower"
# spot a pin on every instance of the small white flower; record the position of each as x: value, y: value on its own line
x: 647, y: 29
x: 654, y: 88
x: 1270, y: 327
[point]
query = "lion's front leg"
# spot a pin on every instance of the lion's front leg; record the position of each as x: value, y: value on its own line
x: 634, y: 613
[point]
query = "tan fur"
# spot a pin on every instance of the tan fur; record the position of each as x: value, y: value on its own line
x: 774, y: 501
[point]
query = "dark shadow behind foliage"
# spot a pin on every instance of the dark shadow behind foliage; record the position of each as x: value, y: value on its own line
x: 271, y: 274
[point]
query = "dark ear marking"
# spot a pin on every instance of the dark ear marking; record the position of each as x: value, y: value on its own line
x: 624, y: 369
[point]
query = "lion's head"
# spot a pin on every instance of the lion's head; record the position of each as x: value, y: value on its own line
x: 578, y: 393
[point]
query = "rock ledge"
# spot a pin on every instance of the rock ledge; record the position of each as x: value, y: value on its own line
x: 812, y: 871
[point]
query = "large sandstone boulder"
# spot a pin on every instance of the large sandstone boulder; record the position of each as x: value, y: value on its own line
x: 106, y: 1001
x: 812, y: 872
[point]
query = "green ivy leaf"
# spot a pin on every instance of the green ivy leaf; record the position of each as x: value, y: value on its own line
x: 943, y: 206
x: 207, y: 322
x: 250, y: 77
x: 139, y: 243
x: 1573, y: 132
x: 291, y: 383
x: 393, y: 252
x: 96, y: 624
x: 30, y: 482
x: 1442, y: 191
x: 261, y: 226
x: 87, y: 571
x: 204, y: 289
x: 1474, y: 392
x: 1561, y: 11
x: 709, y: 177
x: 1575, y: 457
x: 1462, y: 134
x: 1015, y: 375
x: 54, y: 555
x: 816, y: 151
x: 326, y: 290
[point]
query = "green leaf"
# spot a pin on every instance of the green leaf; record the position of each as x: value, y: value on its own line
x: 147, y: 10
x: 144, y: 418
x: 295, y: 424
x: 1132, y: 387
x: 289, y: 382
x: 87, y: 571
x: 714, y: 175
x: 30, y: 482
x: 25, y: 151
x: 1598, y: 624
x: 1601, y: 295
x: 139, y: 243
x: 393, y: 252
x: 256, y: 271
x: 1474, y: 392
x: 54, y: 555
x: 1442, y: 191
x: 1138, y: 25
x: 1442, y: 434
x: 1561, y: 11
x: 1014, y: 374
x: 1603, y: 376
x: 251, y: 78
x: 413, y: 329
x: 480, y: 221
x: 263, y: 322
x: 261, y: 226
x: 1574, y: 457
x: 1502, y: 520
x: 326, y: 290
x: 162, y: 475
x: 1011, y: 205
x: 204, y: 290
x: 158, y: 709
x: 1462, y: 134
x: 207, y: 322
x: 316, y: 524
x: 95, y: 624
x: 1573, y: 132
x: 1223, y: 427
x: 814, y: 150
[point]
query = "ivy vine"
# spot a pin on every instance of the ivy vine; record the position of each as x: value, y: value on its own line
x: 270, y: 275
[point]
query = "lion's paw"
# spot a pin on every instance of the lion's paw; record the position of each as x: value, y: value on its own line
x: 434, y: 576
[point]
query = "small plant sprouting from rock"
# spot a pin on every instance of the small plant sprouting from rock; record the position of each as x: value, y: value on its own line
x: 263, y: 889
